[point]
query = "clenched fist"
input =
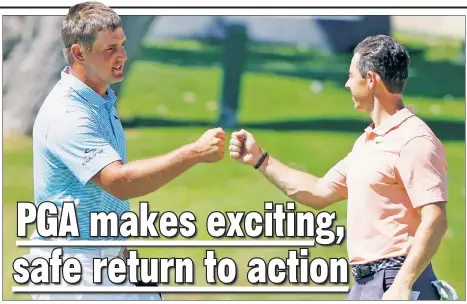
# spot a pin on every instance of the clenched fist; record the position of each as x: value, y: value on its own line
x: 210, y: 146
x: 244, y: 148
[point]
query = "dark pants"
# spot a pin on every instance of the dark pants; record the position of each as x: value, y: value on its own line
x: 374, y: 286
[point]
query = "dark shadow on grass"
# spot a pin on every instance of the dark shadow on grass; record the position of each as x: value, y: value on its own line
x: 434, y: 79
x: 446, y: 130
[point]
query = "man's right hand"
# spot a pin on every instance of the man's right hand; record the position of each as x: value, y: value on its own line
x: 210, y: 146
x: 244, y: 148
x: 301, y: 187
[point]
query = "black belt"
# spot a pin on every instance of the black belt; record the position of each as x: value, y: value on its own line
x: 365, y: 270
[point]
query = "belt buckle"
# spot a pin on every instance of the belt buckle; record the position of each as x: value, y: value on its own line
x: 363, y: 271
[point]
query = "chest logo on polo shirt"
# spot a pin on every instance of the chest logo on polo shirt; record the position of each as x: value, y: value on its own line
x: 378, y: 140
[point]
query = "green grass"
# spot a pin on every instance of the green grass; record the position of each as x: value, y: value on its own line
x: 182, y: 93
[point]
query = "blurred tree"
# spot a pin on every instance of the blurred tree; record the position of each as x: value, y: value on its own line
x: 233, y: 62
x: 33, y: 60
x: 31, y: 67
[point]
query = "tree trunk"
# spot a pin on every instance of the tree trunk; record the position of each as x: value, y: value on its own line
x: 32, y: 66
x: 33, y: 61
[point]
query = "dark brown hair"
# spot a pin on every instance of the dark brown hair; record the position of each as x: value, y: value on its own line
x: 384, y: 55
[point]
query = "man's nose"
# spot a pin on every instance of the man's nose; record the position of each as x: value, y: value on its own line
x: 347, y: 85
x: 123, y: 55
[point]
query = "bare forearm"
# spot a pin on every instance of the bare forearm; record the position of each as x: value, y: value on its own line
x: 425, y: 245
x: 299, y: 186
x: 141, y: 177
x: 302, y: 187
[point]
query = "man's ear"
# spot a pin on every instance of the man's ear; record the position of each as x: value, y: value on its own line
x: 78, y: 53
x: 372, y: 79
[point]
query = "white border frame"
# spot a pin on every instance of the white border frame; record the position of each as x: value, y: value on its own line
x: 177, y: 8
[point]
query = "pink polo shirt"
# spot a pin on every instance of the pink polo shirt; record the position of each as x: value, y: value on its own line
x: 391, y: 170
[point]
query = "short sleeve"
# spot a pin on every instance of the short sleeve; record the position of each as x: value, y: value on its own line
x: 336, y: 177
x: 81, y: 146
x: 422, y: 169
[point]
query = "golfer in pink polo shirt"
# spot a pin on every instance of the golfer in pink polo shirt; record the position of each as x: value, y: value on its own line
x: 394, y: 180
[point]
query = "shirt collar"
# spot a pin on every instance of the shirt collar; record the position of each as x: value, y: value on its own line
x: 86, y: 92
x: 390, y: 123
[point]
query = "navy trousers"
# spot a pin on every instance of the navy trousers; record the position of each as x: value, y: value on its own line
x: 374, y: 286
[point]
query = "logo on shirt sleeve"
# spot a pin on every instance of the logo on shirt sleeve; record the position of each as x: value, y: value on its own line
x: 90, y: 154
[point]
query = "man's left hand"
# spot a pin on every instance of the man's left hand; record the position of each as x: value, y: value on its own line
x: 397, y: 292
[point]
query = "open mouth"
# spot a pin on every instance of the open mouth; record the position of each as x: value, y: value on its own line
x: 117, y: 68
